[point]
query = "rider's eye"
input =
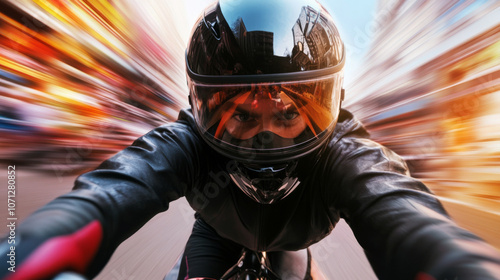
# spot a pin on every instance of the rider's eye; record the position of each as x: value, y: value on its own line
x: 290, y: 115
x: 242, y: 117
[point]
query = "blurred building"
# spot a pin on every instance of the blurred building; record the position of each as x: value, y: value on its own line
x: 430, y: 90
x: 79, y: 81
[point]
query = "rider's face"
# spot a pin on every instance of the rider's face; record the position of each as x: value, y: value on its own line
x: 263, y: 112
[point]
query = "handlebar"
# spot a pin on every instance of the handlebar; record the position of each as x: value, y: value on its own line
x: 69, y: 276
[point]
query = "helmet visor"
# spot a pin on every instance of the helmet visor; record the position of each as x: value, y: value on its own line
x: 266, y: 116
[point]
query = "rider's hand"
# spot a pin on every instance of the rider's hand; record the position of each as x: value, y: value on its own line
x: 48, y: 244
x: 34, y: 256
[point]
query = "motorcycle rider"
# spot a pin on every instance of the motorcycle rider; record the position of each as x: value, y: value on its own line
x: 266, y: 157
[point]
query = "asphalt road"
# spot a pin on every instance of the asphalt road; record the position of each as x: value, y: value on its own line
x: 153, y: 250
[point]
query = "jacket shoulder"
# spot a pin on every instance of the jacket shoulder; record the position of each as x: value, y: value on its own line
x: 348, y: 125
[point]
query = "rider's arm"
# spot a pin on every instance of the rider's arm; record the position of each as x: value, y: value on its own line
x: 404, y: 230
x: 80, y: 230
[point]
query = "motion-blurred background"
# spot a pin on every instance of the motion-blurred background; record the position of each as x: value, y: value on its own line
x: 81, y: 79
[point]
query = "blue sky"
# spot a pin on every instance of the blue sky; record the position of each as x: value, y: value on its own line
x: 354, y: 20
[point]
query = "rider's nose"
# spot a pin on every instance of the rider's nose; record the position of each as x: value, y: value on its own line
x: 268, y: 124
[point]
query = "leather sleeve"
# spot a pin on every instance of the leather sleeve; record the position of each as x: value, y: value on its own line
x: 404, y: 230
x: 117, y: 198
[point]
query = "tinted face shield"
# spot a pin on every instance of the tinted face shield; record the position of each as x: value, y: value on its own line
x: 263, y: 123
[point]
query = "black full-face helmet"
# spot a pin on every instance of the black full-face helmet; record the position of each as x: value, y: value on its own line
x: 265, y: 80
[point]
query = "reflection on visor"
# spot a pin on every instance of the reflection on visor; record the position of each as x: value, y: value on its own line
x: 239, y: 114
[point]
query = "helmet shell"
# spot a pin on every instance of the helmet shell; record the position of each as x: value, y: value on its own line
x: 270, y: 44
x: 239, y: 37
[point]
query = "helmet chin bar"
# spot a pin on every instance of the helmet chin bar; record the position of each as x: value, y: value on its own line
x: 266, y: 185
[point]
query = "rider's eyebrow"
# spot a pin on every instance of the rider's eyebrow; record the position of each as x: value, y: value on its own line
x: 245, y: 109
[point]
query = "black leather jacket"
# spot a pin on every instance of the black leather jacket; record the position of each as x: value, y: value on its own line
x: 400, y: 224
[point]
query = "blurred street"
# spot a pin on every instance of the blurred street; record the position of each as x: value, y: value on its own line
x: 153, y: 250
